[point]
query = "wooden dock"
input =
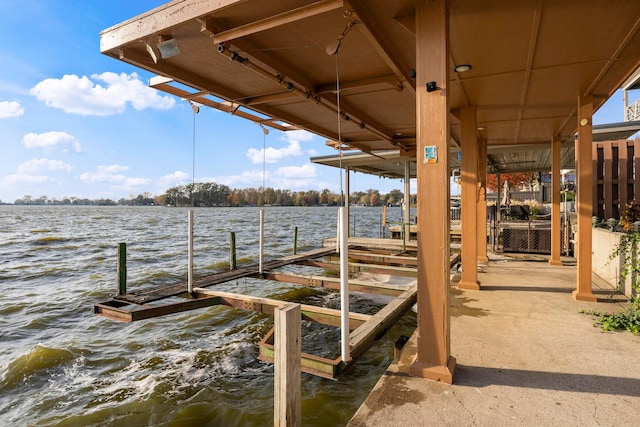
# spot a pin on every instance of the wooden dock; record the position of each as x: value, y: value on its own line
x: 380, y: 256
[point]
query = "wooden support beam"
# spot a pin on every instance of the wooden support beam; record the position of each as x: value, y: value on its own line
x: 126, y: 312
x: 334, y: 283
x: 385, y: 259
x: 362, y: 338
x: 584, y: 185
x: 322, y: 315
x: 469, y: 217
x: 433, y: 359
x: 379, y: 41
x: 273, y: 21
x: 555, y: 201
x: 288, y: 345
x: 369, y: 268
x: 481, y: 210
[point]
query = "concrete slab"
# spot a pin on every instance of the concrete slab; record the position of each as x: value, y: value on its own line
x: 526, y: 355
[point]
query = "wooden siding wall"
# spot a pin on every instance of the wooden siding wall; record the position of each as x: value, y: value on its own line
x: 616, y: 165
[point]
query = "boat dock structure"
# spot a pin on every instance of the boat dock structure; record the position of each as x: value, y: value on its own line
x: 424, y: 89
x: 378, y: 256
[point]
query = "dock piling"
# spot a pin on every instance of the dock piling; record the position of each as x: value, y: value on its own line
x: 122, y: 268
x: 232, y: 251
x: 287, y: 366
x: 295, y: 240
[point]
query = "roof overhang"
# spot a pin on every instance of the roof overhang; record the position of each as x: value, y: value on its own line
x: 270, y: 62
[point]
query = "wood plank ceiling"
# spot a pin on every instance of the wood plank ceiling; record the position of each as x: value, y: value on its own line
x: 270, y: 61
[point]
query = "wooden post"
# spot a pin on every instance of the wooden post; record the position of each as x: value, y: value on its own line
x: 122, y: 268
x: 232, y: 251
x: 469, y: 217
x: 584, y: 185
x: 295, y: 240
x: 288, y: 348
x: 433, y: 359
x: 406, y: 218
x: 482, y: 202
x: 555, y: 202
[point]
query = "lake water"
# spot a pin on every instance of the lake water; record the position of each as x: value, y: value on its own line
x: 62, y: 366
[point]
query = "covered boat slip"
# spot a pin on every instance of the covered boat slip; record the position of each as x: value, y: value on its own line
x: 439, y: 81
x: 365, y: 329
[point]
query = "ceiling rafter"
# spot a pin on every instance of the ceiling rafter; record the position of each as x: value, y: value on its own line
x: 322, y: 100
x: 379, y: 42
x: 621, y: 46
x: 533, y: 42
x: 162, y: 84
x: 292, y: 81
x: 272, y: 21
x: 389, y: 79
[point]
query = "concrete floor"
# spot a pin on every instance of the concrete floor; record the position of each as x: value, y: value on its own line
x: 526, y: 356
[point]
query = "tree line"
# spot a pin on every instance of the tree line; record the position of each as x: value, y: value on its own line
x: 212, y: 194
x: 209, y: 194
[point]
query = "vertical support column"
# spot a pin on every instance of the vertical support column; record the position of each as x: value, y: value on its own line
x: 347, y: 186
x: 584, y: 182
x: 482, y: 201
x: 555, y: 201
x: 287, y: 354
x: 469, y: 217
x: 233, y: 263
x: 190, y: 263
x: 433, y: 359
x: 261, y: 250
x: 407, y: 198
x: 344, y: 286
x: 122, y: 268
x: 498, y: 211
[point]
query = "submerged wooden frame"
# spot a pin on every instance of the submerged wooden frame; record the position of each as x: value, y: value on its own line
x: 364, y: 329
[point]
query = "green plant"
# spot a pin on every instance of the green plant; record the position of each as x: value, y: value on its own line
x: 629, y: 215
x: 629, y: 318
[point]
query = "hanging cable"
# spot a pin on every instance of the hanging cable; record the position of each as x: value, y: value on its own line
x: 195, y: 110
x: 265, y: 132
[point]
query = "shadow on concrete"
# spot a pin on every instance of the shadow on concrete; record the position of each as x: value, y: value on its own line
x: 478, y: 376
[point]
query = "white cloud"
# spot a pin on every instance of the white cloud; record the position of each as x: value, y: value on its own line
x: 299, y: 135
x: 87, y: 97
x: 290, y: 172
x: 37, y: 165
x: 50, y: 139
x: 107, y: 174
x: 24, y: 178
x: 112, y: 168
x: 10, y: 109
x: 102, y: 177
x: 176, y: 178
x: 274, y: 154
x: 251, y: 178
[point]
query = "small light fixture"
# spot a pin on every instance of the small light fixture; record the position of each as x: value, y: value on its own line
x: 481, y: 128
x: 168, y: 47
x: 584, y: 122
x: 462, y: 68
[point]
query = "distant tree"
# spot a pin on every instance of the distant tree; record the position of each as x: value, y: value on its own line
x: 516, y: 180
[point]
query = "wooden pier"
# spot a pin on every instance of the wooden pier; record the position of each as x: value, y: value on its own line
x: 380, y: 256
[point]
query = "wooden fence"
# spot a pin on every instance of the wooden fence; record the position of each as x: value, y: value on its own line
x: 616, y: 169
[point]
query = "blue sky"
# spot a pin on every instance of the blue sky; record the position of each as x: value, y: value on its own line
x: 77, y: 123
